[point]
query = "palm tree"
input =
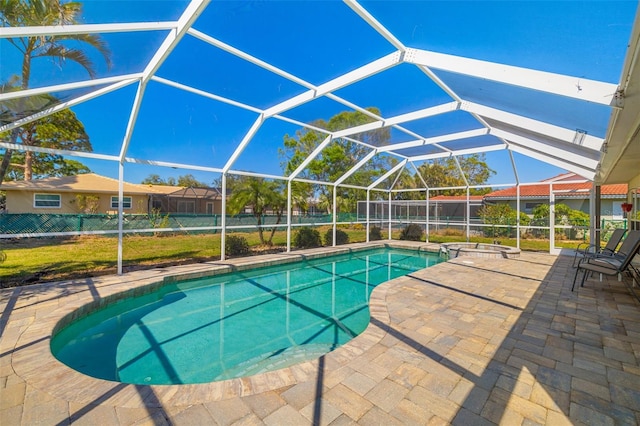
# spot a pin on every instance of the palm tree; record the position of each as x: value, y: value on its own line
x: 17, y: 13
x: 261, y: 195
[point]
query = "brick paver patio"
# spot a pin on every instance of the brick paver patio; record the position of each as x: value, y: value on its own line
x: 470, y: 341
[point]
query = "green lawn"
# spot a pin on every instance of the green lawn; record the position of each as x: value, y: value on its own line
x: 47, y: 259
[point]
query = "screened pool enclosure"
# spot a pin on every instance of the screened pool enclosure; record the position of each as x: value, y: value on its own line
x: 226, y: 90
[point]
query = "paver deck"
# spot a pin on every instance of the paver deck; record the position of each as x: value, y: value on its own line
x: 470, y: 341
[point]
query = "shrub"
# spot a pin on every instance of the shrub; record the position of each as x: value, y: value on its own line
x: 411, y: 232
x: 307, y: 238
x: 341, y: 237
x: 375, y: 233
x: 236, y: 246
x: 452, y: 232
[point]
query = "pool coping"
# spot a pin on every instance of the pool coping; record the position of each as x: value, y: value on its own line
x: 35, y: 364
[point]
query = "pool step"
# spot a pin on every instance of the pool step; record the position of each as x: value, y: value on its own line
x: 275, y: 360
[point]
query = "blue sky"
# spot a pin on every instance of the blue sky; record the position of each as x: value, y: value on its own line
x: 317, y: 41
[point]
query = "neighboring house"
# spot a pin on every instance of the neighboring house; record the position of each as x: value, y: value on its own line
x: 84, y: 193
x: 93, y: 193
x: 188, y: 200
x: 569, y: 189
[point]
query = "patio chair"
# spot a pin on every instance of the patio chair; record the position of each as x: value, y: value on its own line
x: 592, y: 249
x: 613, y: 264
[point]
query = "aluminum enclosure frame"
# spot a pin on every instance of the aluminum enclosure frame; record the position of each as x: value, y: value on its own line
x: 539, y: 140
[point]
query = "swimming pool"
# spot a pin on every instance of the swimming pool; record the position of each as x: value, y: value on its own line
x: 233, y: 325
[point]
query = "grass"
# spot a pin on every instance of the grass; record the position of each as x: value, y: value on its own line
x: 49, y: 259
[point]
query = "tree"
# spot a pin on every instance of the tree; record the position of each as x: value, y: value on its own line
x: 565, y: 215
x: 409, y: 181
x: 337, y: 157
x: 60, y: 130
x: 17, y: 13
x: 188, y: 181
x: 153, y: 179
x: 445, y: 173
x: 501, y: 214
x: 261, y: 195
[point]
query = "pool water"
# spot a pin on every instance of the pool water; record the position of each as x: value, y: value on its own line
x: 236, y: 324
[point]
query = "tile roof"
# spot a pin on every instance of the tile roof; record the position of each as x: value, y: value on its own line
x: 87, y: 182
x: 568, y: 190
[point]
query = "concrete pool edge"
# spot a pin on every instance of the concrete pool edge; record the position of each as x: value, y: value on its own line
x: 35, y: 364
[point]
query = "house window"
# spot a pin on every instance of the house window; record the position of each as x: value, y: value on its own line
x: 209, y: 208
x: 126, y: 202
x: 52, y: 201
x: 528, y: 207
x: 186, y: 207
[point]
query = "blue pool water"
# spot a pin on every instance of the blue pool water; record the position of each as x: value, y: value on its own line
x: 233, y: 325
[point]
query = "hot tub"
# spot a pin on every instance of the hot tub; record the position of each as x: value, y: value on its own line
x: 492, y: 251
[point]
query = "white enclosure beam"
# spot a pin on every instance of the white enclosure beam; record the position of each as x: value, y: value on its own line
x: 373, y: 22
x: 408, y: 190
x: 172, y: 165
x: 223, y: 217
x: 324, y: 131
x: 245, y: 141
x: 573, y: 87
x: 355, y: 187
x: 314, y: 182
x: 382, y: 178
x: 65, y: 105
x: 513, y: 166
x: 334, y: 218
x: 205, y: 94
x: 249, y: 58
x: 317, y: 91
x: 555, y: 132
x: 368, y: 214
x: 59, y: 30
x: 351, y: 77
x: 415, y: 115
x: 356, y: 167
x: 92, y: 155
x: 423, y: 113
x: 310, y: 158
x: 265, y: 65
x: 436, y: 140
x: 462, y: 175
x: 258, y: 175
x: 582, y: 171
x: 67, y: 86
x: 289, y: 212
x: 586, y: 158
x: 188, y: 17
x: 469, y: 151
x: 393, y: 184
x: 133, y: 116
x: 389, y: 208
x: 517, y: 212
x: 426, y: 186
x: 441, y: 84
